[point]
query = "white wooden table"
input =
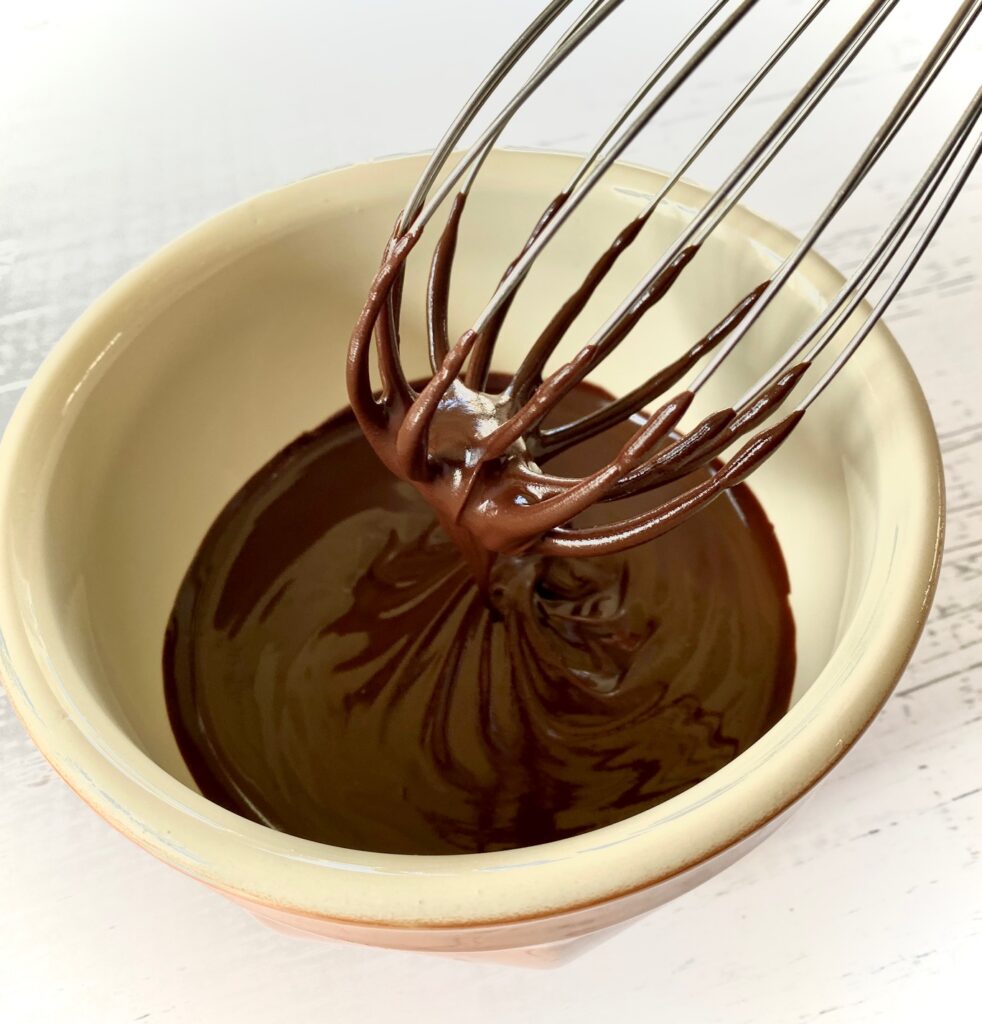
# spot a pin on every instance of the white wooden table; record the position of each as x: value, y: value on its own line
x: 123, y: 124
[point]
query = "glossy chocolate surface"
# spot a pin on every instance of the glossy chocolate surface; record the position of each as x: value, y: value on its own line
x: 333, y: 670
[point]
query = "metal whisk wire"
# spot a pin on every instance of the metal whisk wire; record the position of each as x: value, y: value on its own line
x: 653, y: 456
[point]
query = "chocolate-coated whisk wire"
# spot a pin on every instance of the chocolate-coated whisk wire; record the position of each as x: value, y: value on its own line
x: 727, y: 425
x: 734, y: 186
x: 480, y: 360
x: 657, y: 453
x: 771, y: 390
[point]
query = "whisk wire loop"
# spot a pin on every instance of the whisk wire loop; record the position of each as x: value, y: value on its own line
x: 510, y: 462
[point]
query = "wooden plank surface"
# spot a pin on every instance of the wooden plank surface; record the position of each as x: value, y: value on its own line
x: 122, y: 125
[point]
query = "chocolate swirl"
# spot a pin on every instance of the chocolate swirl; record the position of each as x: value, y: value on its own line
x: 333, y: 670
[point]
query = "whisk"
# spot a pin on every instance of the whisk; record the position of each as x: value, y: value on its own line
x: 481, y: 458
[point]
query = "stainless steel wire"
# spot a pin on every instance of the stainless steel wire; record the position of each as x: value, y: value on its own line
x: 534, y: 393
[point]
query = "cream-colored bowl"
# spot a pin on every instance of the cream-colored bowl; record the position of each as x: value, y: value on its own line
x: 196, y: 367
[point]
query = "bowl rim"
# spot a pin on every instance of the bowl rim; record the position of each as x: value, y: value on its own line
x: 264, y: 867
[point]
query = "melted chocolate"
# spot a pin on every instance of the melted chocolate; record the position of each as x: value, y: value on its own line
x: 333, y: 670
x: 474, y: 452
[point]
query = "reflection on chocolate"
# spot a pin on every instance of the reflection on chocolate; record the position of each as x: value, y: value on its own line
x: 333, y: 670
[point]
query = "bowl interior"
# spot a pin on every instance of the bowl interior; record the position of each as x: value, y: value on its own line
x: 199, y: 367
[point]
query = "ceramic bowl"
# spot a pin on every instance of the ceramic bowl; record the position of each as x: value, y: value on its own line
x: 198, y: 366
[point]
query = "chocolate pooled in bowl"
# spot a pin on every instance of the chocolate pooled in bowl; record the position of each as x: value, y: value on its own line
x: 333, y: 670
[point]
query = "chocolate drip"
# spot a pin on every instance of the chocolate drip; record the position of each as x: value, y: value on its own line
x: 549, y: 442
x: 438, y: 286
x: 477, y: 372
x: 476, y: 455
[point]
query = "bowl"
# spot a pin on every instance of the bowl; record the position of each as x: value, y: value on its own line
x: 195, y: 368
